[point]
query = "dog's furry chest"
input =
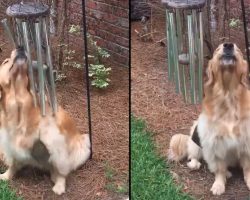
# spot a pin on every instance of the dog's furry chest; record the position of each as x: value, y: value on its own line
x: 220, y: 139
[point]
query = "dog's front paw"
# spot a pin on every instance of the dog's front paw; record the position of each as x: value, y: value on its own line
x: 229, y: 174
x: 5, y: 176
x: 218, y: 188
x: 194, y: 164
x: 59, y: 189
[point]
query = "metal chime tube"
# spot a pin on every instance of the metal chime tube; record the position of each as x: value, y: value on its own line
x: 175, y: 51
x: 180, y: 50
x: 40, y: 68
x: 50, y: 68
x: 196, y: 52
x: 19, y: 32
x: 201, y: 60
x: 27, y: 48
x: 191, y: 57
x: 9, y: 32
x: 169, y: 48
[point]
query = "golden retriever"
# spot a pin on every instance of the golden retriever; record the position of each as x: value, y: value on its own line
x: 26, y: 138
x: 223, y: 125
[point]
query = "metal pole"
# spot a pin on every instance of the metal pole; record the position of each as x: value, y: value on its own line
x: 87, y: 72
x: 245, y: 30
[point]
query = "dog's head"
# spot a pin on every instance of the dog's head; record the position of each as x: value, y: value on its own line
x: 11, y: 68
x: 227, y: 69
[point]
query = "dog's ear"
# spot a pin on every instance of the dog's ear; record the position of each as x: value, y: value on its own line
x: 244, y: 74
x: 210, y: 75
x: 14, y: 70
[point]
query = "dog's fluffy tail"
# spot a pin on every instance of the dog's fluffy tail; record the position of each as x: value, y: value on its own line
x: 182, y: 146
x: 81, y: 151
x: 178, y: 147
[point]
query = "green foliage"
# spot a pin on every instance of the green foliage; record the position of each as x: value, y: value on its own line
x: 70, y: 59
x: 98, y: 72
x: 110, y: 173
x: 151, y: 179
x: 60, y: 77
x: 75, y: 29
x: 100, y: 75
x: 234, y: 23
x: 121, y: 189
x: 6, y: 193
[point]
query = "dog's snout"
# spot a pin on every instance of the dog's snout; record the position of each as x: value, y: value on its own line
x: 228, y: 48
x: 20, y: 54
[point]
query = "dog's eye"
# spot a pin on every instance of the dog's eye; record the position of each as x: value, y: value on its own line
x: 6, y: 61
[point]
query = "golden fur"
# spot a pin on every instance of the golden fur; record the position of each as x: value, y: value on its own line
x: 22, y: 126
x: 182, y: 146
x: 223, y: 125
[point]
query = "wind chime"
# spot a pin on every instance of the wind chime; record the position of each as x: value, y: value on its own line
x: 30, y: 30
x: 184, y: 26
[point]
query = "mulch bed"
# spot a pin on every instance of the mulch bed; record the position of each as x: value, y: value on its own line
x: 154, y: 99
x: 109, y: 110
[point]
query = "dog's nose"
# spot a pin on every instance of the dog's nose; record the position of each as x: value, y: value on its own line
x: 20, y: 50
x: 228, y: 48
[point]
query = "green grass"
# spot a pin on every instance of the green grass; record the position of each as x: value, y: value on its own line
x: 151, y: 179
x: 6, y: 193
x: 110, y: 174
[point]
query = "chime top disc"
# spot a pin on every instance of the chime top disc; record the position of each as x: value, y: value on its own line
x: 28, y: 10
x: 184, y: 4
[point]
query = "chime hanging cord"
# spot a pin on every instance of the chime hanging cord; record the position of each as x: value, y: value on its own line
x: 245, y: 30
x: 87, y: 70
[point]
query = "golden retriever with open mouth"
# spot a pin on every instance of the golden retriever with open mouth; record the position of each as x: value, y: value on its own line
x: 224, y: 124
x: 26, y: 138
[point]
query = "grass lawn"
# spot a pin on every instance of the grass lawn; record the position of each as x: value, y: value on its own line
x: 6, y: 193
x: 151, y: 179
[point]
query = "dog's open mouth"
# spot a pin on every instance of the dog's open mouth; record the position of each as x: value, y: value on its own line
x: 227, y: 61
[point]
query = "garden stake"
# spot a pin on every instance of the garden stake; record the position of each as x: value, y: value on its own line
x: 87, y: 73
x: 246, y: 34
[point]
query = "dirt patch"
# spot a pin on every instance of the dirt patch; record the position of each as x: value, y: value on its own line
x: 109, y: 110
x: 154, y: 99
